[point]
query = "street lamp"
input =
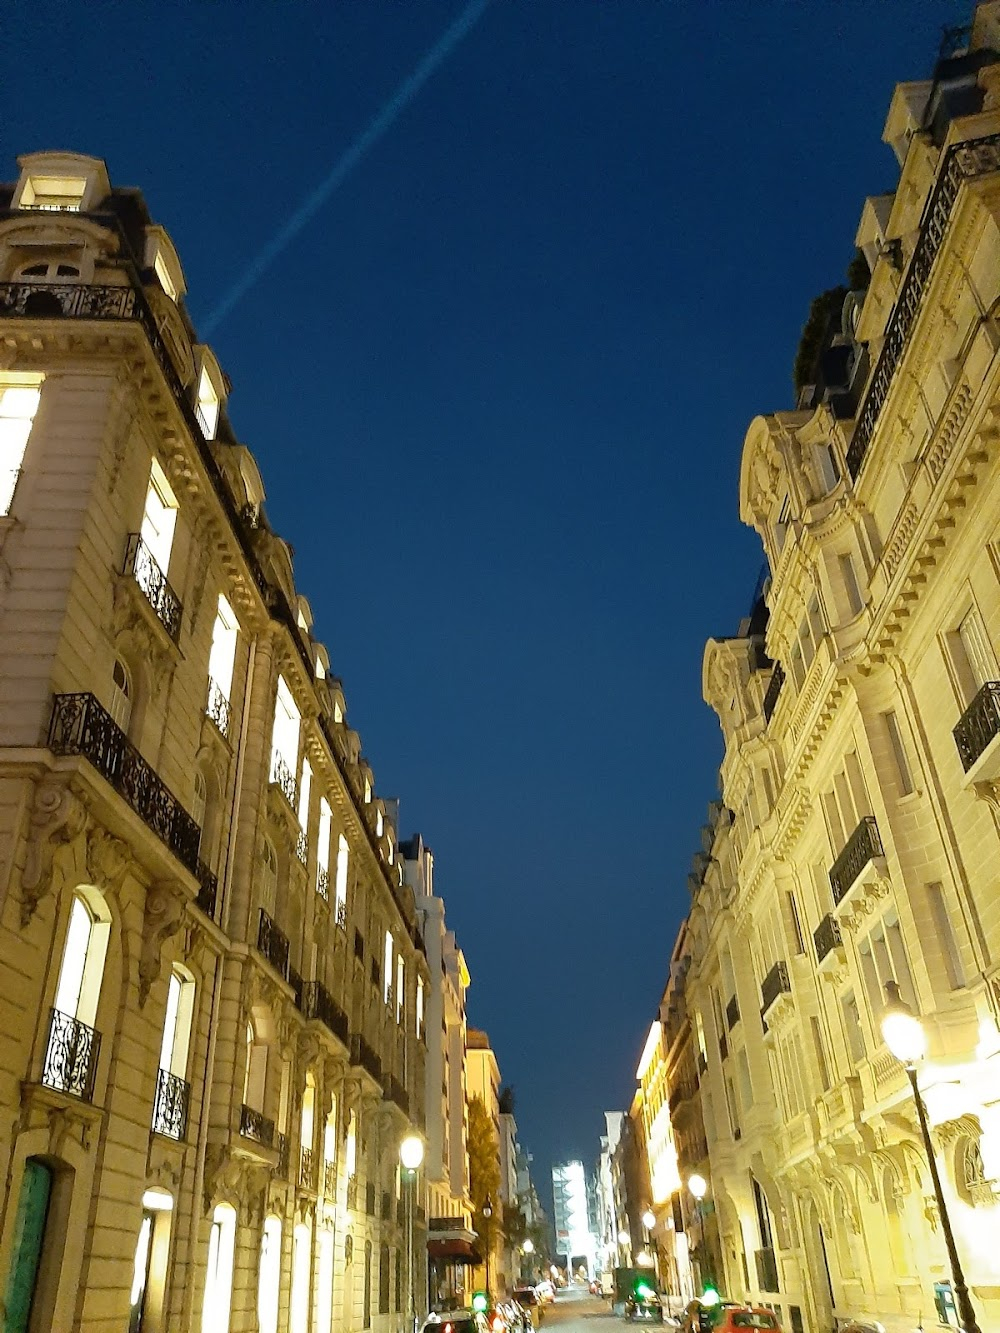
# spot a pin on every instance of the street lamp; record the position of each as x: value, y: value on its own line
x: 903, y: 1033
x: 487, y: 1214
x: 649, y: 1220
x: 411, y: 1154
x: 698, y: 1186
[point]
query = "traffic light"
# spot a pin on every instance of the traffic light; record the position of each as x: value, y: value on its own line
x: 480, y: 1302
x: 709, y: 1297
x: 643, y: 1290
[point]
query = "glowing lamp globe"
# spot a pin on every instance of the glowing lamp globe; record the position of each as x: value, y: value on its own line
x: 411, y: 1152
x: 648, y: 1220
x: 902, y: 1030
x: 698, y: 1186
x: 644, y: 1259
x: 529, y: 1246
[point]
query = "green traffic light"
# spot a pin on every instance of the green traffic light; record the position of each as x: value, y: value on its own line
x: 480, y: 1302
x: 710, y: 1297
x: 644, y: 1291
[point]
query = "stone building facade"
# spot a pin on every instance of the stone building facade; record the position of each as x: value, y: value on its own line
x: 858, y: 844
x: 210, y: 1034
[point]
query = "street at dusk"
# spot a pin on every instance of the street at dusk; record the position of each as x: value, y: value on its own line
x: 500, y: 666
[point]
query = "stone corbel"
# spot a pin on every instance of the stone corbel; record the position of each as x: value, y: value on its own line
x: 57, y: 817
x: 990, y: 793
x: 163, y: 917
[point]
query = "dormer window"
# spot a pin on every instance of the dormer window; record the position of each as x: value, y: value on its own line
x: 161, y: 257
x: 368, y: 792
x: 163, y: 273
x: 54, y: 194
x: 379, y: 823
x: 50, y: 271
x: 208, y: 406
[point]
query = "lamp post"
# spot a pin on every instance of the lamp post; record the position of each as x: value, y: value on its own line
x: 650, y: 1248
x: 487, y: 1214
x: 411, y: 1154
x: 698, y: 1186
x: 903, y: 1033
x: 527, y: 1250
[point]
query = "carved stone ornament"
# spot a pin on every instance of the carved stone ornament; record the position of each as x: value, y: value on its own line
x: 864, y: 901
x: 134, y: 635
x: 58, y: 816
x: 108, y: 859
x: 163, y: 917
x: 236, y: 1181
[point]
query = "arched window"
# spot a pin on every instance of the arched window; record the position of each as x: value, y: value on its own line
x: 299, y: 1311
x: 324, y: 1283
x: 150, y: 1263
x: 171, y: 1105
x: 366, y: 1320
x: 972, y: 1173
x: 307, y: 1132
x: 82, y: 966
x: 219, y: 1277
x: 269, y: 1280
x: 51, y: 270
x: 121, y: 694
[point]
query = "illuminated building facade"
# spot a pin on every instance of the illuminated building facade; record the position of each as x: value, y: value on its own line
x: 209, y: 962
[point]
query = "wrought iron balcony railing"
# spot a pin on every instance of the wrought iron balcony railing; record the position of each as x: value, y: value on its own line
x: 363, y: 1055
x: 963, y: 161
x: 352, y: 1192
x: 307, y: 1168
x: 217, y: 707
x: 863, y: 846
x: 170, y: 1106
x: 298, y: 987
x: 71, y: 1056
x: 302, y: 846
x: 979, y: 724
x: 395, y: 1092
x: 255, y: 1125
x: 773, y: 690
x: 141, y: 564
x: 323, y: 883
x: 68, y: 300
x: 329, y: 1179
x: 826, y: 936
x: 774, y: 984
x: 81, y: 726
x: 342, y: 913
x: 732, y: 1012
x: 273, y: 943
x: 319, y: 1003
x: 284, y: 779
x: 208, y: 888
x: 281, y: 1142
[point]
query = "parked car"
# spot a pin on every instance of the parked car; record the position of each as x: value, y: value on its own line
x: 528, y: 1300
x: 453, y: 1321
x: 728, y: 1317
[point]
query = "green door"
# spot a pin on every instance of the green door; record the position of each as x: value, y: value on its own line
x: 29, y: 1236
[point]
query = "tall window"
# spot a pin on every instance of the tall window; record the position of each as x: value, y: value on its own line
x: 852, y: 1026
x: 199, y: 798
x: 947, y: 942
x: 269, y: 1279
x: 285, y: 738
x: 351, y: 1146
x: 208, y: 405
x: 219, y: 1277
x: 323, y: 844
x: 304, y: 786
x: 883, y: 958
x: 82, y: 967
x: 324, y: 1282
x: 387, y: 970
x: 420, y: 1007
x: 971, y: 655
x: 222, y: 657
x: 299, y: 1312
x: 898, y: 752
x: 18, y: 405
x: 400, y: 986
x: 121, y: 694
x: 343, y: 852
x: 149, y: 1263
x: 255, y: 1077
x: 852, y: 588
x: 159, y: 517
x: 177, y: 1024
x: 268, y: 877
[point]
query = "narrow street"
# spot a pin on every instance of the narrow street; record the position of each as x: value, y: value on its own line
x: 576, y: 1311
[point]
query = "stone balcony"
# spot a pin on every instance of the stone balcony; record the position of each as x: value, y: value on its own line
x: 859, y: 871
x: 977, y: 736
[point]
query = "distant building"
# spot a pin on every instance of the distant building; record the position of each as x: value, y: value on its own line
x: 572, y: 1205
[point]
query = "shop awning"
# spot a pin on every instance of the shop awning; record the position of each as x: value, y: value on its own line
x: 452, y: 1247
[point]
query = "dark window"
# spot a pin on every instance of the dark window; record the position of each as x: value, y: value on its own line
x: 383, y: 1279
x: 367, y: 1315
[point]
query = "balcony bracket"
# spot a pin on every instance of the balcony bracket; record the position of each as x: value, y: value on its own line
x: 65, y: 1118
x: 58, y: 818
x: 866, y: 894
x: 163, y: 917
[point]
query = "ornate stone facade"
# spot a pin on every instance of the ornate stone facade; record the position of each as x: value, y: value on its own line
x: 209, y: 960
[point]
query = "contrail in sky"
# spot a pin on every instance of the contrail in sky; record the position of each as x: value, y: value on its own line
x: 311, y: 205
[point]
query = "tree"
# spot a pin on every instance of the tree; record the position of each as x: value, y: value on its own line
x: 484, y: 1169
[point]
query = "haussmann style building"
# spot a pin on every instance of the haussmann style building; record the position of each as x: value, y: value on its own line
x: 213, y: 988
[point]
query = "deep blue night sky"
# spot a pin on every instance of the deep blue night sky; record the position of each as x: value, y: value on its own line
x: 498, y: 389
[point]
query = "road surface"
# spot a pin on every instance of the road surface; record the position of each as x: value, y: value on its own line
x: 576, y: 1311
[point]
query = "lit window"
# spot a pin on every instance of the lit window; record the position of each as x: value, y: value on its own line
x: 392, y: 851
x: 163, y: 273
x: 255, y: 1077
x: 82, y: 967
x: 268, y: 877
x: 420, y: 1007
x: 301, y: 1254
x: 304, y: 786
x: 387, y: 970
x: 343, y: 852
x: 18, y: 405
x: 219, y: 1277
x: 368, y: 792
x: 323, y: 845
x: 54, y: 194
x: 338, y: 712
x: 351, y: 1146
x: 158, y: 518
x: 285, y: 737
x: 269, y: 1279
x: 121, y: 694
x: 324, y: 1285
x: 222, y: 657
x: 320, y: 669
x: 177, y: 1024
x: 379, y: 823
x: 400, y: 986
x: 50, y: 271
x: 209, y: 403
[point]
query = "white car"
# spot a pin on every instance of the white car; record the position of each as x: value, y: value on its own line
x: 546, y: 1292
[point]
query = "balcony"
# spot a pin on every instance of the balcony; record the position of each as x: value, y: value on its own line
x: 828, y: 943
x: 963, y: 161
x: 776, y: 983
x: 864, y: 849
x: 773, y: 691
x: 323, y: 883
x: 256, y: 1126
x: 732, y: 1012
x: 217, y: 708
x: 298, y: 988
x: 283, y: 778
x: 150, y: 578
x: 352, y: 1192
x: 301, y: 846
x: 767, y: 1269
x: 318, y: 1003
x: 208, y: 889
x: 395, y: 1092
x: 273, y: 944
x: 363, y: 1056
x: 329, y: 1180
x: 170, y: 1106
x: 341, y: 914
x: 71, y: 1056
x: 80, y: 726
x: 976, y: 734
x: 307, y: 1169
